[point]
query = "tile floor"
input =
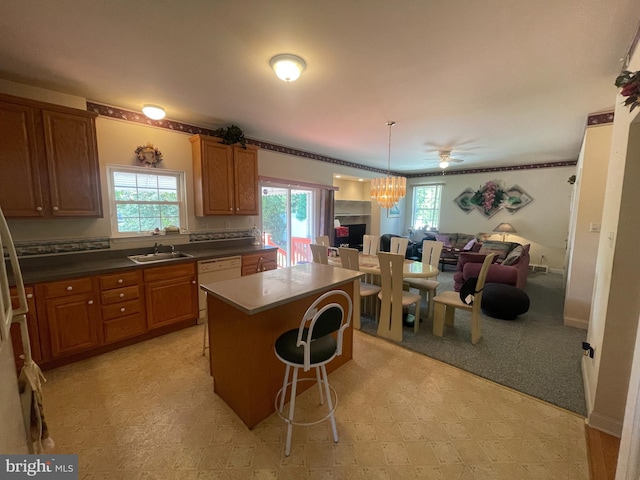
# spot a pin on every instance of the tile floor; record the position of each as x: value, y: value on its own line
x: 149, y: 412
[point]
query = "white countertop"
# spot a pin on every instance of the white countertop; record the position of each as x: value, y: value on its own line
x: 261, y: 291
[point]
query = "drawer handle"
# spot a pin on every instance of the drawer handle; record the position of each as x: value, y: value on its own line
x: 55, y: 209
x: 122, y: 295
x: 120, y: 280
x: 122, y: 309
x: 29, y: 295
x: 69, y: 288
x: 39, y: 209
x: 90, y: 302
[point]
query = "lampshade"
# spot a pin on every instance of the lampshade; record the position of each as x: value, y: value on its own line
x: 505, y: 228
x: 388, y: 190
x: 154, y: 112
x: 287, y: 67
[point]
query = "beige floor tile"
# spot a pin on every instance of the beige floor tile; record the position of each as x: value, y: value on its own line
x: 149, y: 412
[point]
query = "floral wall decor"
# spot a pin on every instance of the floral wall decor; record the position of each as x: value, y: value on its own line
x: 148, y: 155
x: 492, y: 197
x: 630, y: 84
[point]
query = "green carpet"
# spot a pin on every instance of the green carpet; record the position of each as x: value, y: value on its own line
x: 534, y: 354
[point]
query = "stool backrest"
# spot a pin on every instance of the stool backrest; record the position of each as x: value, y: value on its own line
x: 399, y: 245
x: 328, y: 319
x: 319, y: 253
x: 349, y: 258
x: 323, y: 240
x: 370, y: 244
x: 391, y: 265
x: 431, y: 251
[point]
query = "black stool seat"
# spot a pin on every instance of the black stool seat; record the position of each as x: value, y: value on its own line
x: 503, y: 301
x: 321, y: 349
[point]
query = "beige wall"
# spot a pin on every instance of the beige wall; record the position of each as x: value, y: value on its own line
x: 588, y: 200
x: 543, y: 223
x: 613, y: 322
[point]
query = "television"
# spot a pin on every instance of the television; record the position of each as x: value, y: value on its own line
x: 354, y: 237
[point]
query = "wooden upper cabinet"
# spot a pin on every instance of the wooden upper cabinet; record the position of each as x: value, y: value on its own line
x: 49, y: 160
x: 225, y: 177
x: 20, y: 194
x: 72, y: 161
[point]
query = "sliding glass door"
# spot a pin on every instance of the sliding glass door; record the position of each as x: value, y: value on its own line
x: 288, y: 221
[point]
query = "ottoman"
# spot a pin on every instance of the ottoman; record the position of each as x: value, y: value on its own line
x: 504, y: 301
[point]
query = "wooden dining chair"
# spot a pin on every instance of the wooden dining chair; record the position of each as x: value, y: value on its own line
x: 319, y: 254
x: 393, y: 298
x: 370, y: 244
x: 399, y: 245
x: 323, y: 240
x: 446, y: 304
x: 430, y: 256
x: 349, y: 259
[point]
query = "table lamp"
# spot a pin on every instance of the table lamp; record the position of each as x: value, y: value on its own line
x: 505, y: 229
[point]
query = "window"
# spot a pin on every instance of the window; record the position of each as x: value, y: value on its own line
x: 426, y: 206
x: 143, y: 199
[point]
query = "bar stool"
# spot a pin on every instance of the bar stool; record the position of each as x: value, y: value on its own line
x: 312, y: 345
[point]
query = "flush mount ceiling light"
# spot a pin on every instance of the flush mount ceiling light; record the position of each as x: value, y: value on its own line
x: 154, y: 112
x: 387, y: 191
x: 287, y: 67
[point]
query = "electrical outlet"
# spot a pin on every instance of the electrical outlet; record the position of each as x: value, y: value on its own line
x: 594, y: 227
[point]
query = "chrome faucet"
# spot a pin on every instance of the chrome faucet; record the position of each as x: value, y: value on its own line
x: 156, y: 248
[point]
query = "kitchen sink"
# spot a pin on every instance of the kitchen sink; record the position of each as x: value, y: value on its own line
x: 158, y: 257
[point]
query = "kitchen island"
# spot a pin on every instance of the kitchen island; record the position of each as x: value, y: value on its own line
x: 246, y: 315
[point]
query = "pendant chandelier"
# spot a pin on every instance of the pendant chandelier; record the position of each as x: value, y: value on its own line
x: 388, y: 190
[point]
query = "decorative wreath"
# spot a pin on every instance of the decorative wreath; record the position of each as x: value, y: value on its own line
x: 148, y: 155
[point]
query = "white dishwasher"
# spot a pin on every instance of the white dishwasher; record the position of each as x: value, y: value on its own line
x: 215, y: 270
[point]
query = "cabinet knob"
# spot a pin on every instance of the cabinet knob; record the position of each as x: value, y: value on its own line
x: 237, y: 209
x: 69, y: 288
x: 120, y: 280
x: 231, y: 209
x: 193, y: 282
x: 90, y: 302
x: 122, y: 295
x: 29, y: 295
x: 55, y: 209
x: 39, y: 209
x: 122, y: 309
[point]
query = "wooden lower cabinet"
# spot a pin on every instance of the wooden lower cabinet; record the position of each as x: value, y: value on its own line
x: 171, y: 294
x: 123, y: 309
x: 32, y: 327
x: 71, y: 317
x: 259, y: 262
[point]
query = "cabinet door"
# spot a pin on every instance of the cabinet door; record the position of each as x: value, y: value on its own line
x: 245, y: 180
x: 217, y: 178
x: 72, y: 324
x: 72, y: 160
x: 172, y: 300
x: 20, y: 191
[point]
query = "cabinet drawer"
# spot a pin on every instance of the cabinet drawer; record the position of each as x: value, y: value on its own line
x: 120, y: 294
x: 258, y: 262
x: 163, y: 273
x: 120, y: 280
x: 122, y: 309
x: 68, y: 287
x: 124, y: 327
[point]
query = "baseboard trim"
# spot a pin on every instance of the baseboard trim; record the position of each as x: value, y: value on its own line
x: 605, y: 424
x: 576, y: 322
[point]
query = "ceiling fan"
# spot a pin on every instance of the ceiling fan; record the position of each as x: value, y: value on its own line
x: 446, y: 159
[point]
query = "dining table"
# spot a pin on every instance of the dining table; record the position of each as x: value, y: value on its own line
x: 411, y: 269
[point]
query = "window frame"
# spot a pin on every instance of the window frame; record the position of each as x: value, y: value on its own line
x: 438, y: 209
x: 181, y: 195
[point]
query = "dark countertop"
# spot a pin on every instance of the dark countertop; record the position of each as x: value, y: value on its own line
x: 63, y: 266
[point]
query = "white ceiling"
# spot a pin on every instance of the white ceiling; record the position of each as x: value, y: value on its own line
x: 500, y: 82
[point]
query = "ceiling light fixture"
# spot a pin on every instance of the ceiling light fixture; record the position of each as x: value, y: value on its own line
x: 444, y: 160
x: 287, y: 67
x: 154, y: 112
x: 388, y: 190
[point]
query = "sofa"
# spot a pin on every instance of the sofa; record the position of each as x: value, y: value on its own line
x: 511, y: 264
